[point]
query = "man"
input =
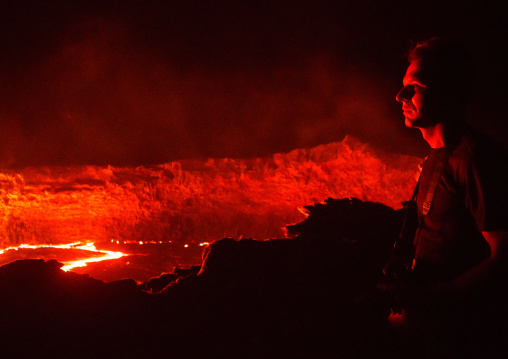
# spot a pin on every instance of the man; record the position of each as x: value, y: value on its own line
x: 453, y: 299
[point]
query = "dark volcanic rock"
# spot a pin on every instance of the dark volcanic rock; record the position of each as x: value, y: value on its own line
x: 282, y: 298
x: 349, y: 219
x: 155, y: 285
x: 299, y: 297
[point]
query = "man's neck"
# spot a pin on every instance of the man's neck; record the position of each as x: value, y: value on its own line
x: 434, y: 135
x: 441, y: 134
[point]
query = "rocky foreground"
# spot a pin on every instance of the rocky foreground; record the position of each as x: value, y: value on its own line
x: 283, y: 298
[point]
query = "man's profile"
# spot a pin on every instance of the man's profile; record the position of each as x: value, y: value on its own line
x: 452, y: 298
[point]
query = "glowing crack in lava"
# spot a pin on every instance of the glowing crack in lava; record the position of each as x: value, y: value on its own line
x: 191, y: 201
x: 89, y: 247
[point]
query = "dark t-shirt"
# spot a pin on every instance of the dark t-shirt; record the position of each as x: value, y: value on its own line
x: 471, y: 197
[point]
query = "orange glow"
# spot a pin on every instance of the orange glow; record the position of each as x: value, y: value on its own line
x: 193, y: 201
x: 89, y: 247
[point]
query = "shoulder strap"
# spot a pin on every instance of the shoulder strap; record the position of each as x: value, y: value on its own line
x: 434, y: 180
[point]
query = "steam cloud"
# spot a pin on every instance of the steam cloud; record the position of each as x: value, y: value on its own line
x: 137, y: 83
x: 110, y: 90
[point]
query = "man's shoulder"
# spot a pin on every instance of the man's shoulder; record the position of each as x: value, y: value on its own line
x: 476, y: 155
x: 475, y: 146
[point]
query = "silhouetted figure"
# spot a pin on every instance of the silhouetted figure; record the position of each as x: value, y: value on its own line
x: 452, y: 292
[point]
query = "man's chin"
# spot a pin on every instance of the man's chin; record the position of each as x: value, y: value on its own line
x: 410, y: 123
x: 417, y: 122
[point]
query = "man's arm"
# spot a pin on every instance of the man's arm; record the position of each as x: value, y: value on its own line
x: 490, y: 273
x: 492, y: 268
x: 498, y: 242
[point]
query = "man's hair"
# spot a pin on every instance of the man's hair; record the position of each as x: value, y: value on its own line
x: 447, y: 66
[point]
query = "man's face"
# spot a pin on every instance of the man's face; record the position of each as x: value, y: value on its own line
x: 419, y: 106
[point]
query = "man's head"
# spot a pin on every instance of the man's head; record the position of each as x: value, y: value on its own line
x: 437, y: 83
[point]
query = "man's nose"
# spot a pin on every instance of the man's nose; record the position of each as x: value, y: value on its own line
x: 404, y: 94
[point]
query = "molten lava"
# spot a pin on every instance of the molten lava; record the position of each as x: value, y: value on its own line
x: 193, y: 201
x: 88, y: 247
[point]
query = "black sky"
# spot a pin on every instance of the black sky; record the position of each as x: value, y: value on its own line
x: 139, y: 82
